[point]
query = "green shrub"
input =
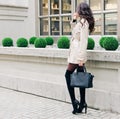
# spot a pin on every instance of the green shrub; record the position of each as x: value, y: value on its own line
x: 110, y: 43
x: 101, y: 41
x: 22, y: 42
x: 63, y: 42
x: 49, y: 40
x: 91, y: 44
x: 40, y: 43
x: 7, y: 42
x: 32, y: 40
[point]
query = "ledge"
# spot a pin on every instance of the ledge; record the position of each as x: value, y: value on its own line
x: 96, y: 55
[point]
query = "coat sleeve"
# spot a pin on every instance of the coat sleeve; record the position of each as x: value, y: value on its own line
x: 72, y: 24
x: 82, y: 51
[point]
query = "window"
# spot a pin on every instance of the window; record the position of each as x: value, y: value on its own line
x: 105, y: 14
x: 111, y: 24
x: 44, y: 29
x: 98, y: 24
x: 54, y: 6
x: 66, y: 6
x: 110, y: 4
x: 95, y: 5
x: 55, y: 17
x: 66, y: 28
x: 55, y: 28
x: 43, y: 5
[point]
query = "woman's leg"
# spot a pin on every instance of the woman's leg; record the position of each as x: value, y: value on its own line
x: 82, y: 93
x: 69, y: 71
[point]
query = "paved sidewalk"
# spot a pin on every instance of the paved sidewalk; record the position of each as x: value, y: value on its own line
x: 17, y: 105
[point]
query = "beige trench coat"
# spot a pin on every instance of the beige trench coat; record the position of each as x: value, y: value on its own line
x: 78, y: 42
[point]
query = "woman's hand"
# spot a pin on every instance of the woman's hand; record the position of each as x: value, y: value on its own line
x: 75, y: 15
x: 81, y: 64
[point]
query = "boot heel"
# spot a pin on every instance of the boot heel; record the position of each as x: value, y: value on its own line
x: 81, y: 107
x: 86, y: 110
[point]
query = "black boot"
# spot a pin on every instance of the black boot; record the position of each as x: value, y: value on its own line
x: 75, y: 103
x: 75, y: 106
x: 82, y: 104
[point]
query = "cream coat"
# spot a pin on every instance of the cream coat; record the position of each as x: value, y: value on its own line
x: 78, y: 42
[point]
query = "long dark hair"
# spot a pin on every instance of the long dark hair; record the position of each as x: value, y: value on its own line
x: 85, y: 12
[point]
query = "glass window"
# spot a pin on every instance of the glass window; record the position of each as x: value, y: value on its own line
x: 44, y: 28
x: 54, y: 9
x: 66, y: 28
x: 111, y: 24
x: 66, y: 6
x: 95, y: 4
x: 55, y: 30
x: 98, y: 24
x: 79, y: 1
x: 43, y: 7
x: 110, y: 4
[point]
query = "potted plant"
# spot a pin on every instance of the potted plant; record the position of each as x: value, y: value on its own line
x: 91, y: 44
x: 32, y: 40
x: 22, y: 42
x: 7, y: 42
x: 40, y: 43
x: 110, y: 43
x: 63, y: 42
x: 49, y: 40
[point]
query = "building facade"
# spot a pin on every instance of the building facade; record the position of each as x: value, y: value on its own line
x: 27, y: 18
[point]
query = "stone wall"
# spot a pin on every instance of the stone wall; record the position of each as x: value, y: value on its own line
x: 41, y: 72
x: 17, y: 19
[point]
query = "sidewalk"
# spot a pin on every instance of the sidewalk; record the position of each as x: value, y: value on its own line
x: 17, y: 105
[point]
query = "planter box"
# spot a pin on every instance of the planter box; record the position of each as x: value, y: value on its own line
x: 41, y: 72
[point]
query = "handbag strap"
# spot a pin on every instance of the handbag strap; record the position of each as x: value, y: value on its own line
x: 84, y: 68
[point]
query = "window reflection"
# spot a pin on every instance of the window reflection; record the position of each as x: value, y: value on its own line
x: 54, y: 7
x: 66, y: 6
x: 79, y: 1
x: 66, y: 28
x: 110, y: 4
x: 43, y: 7
x: 111, y: 24
x: 98, y: 24
x: 55, y: 30
x: 95, y: 4
x: 44, y: 26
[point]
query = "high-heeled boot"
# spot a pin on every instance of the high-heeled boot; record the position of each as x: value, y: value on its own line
x: 82, y: 106
x: 75, y: 106
x: 75, y: 103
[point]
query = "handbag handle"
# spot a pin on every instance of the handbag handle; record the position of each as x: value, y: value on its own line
x: 83, y: 68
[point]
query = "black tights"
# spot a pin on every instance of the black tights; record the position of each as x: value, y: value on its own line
x: 71, y: 68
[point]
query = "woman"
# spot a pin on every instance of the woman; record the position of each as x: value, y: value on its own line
x: 81, y: 24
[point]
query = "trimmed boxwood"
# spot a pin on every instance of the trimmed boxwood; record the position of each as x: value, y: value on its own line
x: 63, y: 42
x: 49, y: 40
x: 101, y: 41
x: 7, y: 42
x: 32, y: 40
x: 110, y: 43
x: 91, y: 44
x: 22, y: 42
x: 40, y: 43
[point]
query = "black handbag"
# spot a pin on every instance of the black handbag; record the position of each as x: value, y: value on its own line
x: 81, y: 79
